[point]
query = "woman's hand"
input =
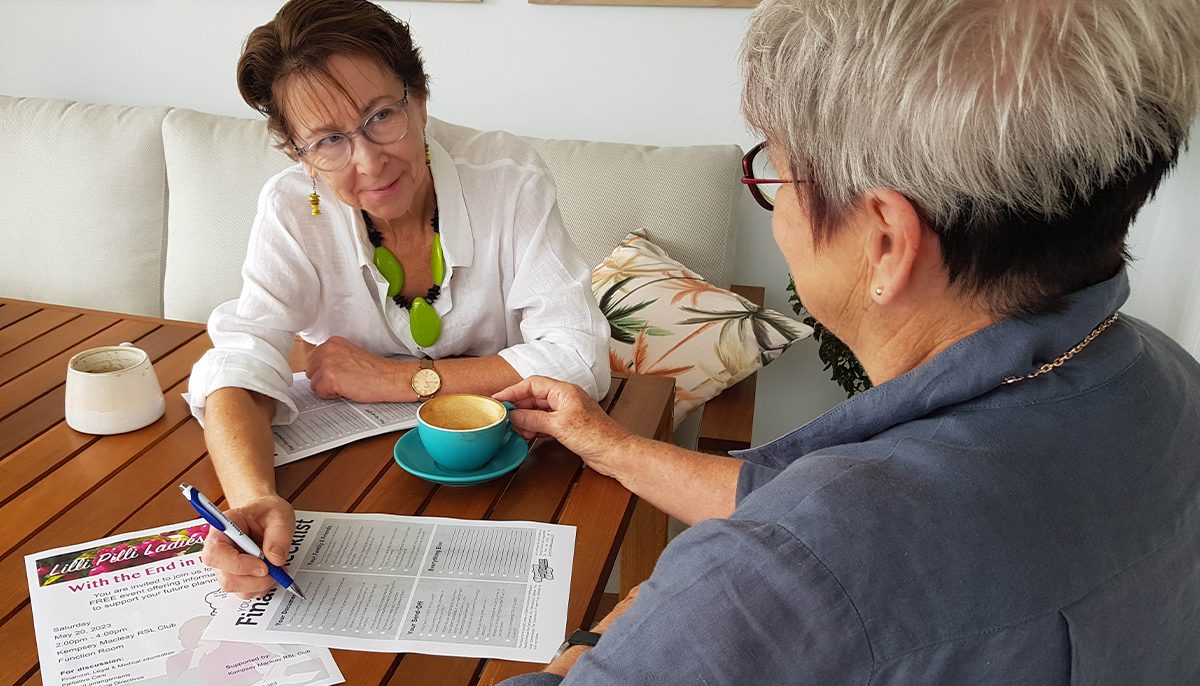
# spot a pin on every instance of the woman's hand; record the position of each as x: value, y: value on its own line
x: 687, y: 485
x: 269, y: 519
x: 564, y: 411
x: 339, y: 368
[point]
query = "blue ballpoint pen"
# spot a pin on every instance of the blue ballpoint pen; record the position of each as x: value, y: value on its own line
x: 217, y: 519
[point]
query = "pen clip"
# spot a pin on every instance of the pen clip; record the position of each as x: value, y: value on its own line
x: 202, y: 507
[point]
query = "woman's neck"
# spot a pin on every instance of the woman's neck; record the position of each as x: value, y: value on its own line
x: 413, y: 224
x: 891, y: 342
x: 913, y: 346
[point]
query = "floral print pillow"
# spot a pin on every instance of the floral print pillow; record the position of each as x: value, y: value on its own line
x: 666, y: 320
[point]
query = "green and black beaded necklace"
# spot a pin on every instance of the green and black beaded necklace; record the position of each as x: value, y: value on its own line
x: 423, y: 320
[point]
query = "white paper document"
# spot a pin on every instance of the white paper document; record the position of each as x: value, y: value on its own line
x: 132, y: 608
x: 416, y: 584
x: 324, y: 424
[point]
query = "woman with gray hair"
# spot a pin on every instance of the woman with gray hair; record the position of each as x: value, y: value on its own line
x: 1017, y: 499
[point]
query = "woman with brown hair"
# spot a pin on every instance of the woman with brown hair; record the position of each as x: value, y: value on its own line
x: 383, y: 240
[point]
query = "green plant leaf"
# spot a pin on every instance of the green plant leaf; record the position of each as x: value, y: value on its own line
x: 846, y: 371
x: 611, y: 291
x: 622, y: 325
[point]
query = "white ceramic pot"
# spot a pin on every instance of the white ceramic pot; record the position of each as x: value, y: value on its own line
x: 112, y: 390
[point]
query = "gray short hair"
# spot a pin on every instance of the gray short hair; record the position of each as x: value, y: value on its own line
x: 988, y: 105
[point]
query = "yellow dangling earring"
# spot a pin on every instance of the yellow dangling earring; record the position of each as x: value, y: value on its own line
x: 314, y: 199
x: 428, y: 157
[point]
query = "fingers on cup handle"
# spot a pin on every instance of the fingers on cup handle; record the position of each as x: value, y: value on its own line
x: 531, y: 388
x: 529, y: 436
x: 532, y: 422
x: 516, y: 393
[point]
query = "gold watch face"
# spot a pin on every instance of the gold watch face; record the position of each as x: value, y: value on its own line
x: 426, y: 382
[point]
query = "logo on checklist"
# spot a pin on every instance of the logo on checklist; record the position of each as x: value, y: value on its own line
x: 543, y: 570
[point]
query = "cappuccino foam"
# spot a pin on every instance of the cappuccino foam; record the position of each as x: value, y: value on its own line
x: 461, y: 412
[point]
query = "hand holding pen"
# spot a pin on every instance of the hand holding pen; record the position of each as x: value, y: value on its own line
x: 219, y: 521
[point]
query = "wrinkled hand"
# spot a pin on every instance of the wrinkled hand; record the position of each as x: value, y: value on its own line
x: 339, y: 368
x: 547, y: 407
x: 269, y: 520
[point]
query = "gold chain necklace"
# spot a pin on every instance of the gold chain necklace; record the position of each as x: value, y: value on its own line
x: 1062, y: 359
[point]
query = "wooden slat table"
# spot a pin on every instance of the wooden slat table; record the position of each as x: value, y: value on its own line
x: 59, y: 487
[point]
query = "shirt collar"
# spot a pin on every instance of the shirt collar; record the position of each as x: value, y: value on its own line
x: 968, y: 369
x: 458, y: 241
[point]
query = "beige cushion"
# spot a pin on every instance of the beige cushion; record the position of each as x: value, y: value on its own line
x: 84, y: 204
x: 683, y: 198
x: 216, y: 167
x: 667, y: 320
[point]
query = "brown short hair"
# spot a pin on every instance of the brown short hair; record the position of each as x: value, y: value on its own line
x: 303, y: 36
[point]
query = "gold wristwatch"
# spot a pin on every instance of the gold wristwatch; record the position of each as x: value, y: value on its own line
x: 426, y: 381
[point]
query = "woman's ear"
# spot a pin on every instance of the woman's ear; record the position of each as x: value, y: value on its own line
x: 294, y: 153
x: 420, y: 111
x: 895, y: 240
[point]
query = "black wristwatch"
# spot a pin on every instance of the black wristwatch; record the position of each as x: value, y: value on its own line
x: 579, y: 638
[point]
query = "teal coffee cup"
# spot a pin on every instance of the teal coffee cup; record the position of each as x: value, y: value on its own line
x: 461, y: 432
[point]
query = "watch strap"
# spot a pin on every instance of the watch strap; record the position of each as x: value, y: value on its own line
x: 579, y: 637
x: 582, y: 637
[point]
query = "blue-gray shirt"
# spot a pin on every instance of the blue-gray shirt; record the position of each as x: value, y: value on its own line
x: 943, y: 528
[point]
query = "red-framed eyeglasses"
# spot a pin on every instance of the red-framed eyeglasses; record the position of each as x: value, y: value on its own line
x: 759, y: 175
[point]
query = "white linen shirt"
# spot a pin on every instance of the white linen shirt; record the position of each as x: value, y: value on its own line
x: 515, y: 285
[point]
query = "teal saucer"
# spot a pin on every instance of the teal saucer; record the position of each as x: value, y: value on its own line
x: 411, y: 456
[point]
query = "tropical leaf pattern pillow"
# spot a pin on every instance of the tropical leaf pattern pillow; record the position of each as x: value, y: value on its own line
x: 666, y: 320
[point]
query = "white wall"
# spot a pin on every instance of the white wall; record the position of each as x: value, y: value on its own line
x: 665, y: 76
x: 1166, y: 245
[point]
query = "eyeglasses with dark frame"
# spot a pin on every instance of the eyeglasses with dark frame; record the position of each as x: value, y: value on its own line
x: 385, y: 124
x: 759, y: 175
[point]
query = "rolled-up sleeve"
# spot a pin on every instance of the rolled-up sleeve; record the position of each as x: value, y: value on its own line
x: 253, y: 335
x: 564, y: 334
x: 730, y: 602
